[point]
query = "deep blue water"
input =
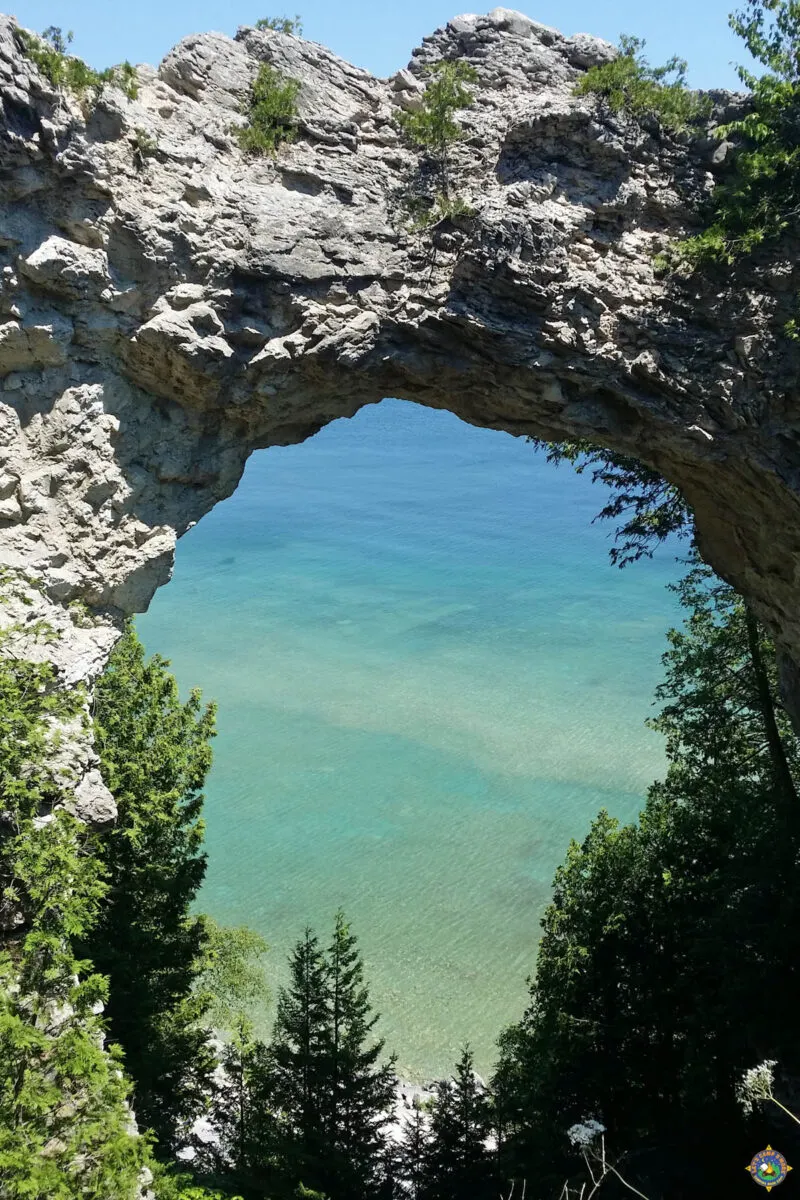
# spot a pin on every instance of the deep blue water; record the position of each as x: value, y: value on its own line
x: 430, y: 679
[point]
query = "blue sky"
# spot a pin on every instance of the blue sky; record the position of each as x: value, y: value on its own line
x: 381, y: 36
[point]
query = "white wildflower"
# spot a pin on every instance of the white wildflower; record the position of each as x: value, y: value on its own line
x: 583, y: 1134
x: 756, y: 1085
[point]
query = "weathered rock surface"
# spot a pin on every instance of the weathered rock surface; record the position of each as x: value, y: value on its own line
x: 164, y: 312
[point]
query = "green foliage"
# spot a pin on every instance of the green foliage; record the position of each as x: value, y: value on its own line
x: 310, y: 1107
x: 457, y: 1162
x: 246, y: 1128
x: 293, y: 25
x: 629, y: 84
x: 144, y: 147
x: 360, y: 1090
x: 300, y: 1060
x: 412, y: 1152
x: 761, y: 199
x: 327, y: 1084
x: 64, y: 1124
x: 155, y: 754
x: 64, y: 1127
x: 172, y: 1184
x: 432, y: 126
x: 233, y: 976
x: 271, y: 109
x: 426, y: 211
x: 650, y: 508
x: 68, y: 73
x: 719, y: 691
x: 642, y: 1012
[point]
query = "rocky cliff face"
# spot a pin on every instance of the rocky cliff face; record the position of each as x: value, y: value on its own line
x: 167, y: 305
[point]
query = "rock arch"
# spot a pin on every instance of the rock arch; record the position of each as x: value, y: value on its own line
x: 167, y: 305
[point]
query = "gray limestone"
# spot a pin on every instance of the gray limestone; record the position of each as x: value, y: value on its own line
x: 164, y: 314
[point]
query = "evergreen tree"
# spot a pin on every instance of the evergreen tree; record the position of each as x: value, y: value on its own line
x: 65, y: 1128
x: 361, y: 1090
x: 242, y: 1152
x: 412, y: 1152
x: 432, y: 126
x: 458, y: 1164
x: 648, y: 1000
x: 155, y: 753
x: 300, y: 1063
x: 310, y: 1108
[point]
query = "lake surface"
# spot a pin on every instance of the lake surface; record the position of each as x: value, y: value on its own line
x: 429, y: 679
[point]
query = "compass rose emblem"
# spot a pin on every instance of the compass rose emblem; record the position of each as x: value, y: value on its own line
x: 768, y: 1168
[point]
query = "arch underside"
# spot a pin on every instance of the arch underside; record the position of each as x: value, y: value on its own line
x: 161, y: 317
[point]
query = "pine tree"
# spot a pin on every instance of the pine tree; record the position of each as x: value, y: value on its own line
x: 300, y: 1072
x: 242, y: 1152
x: 432, y: 126
x: 458, y: 1163
x: 648, y: 1000
x: 412, y: 1152
x: 311, y: 1107
x: 361, y: 1090
x: 65, y: 1127
x: 155, y: 755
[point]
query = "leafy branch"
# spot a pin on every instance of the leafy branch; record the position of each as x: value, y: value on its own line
x: 292, y: 25
x: 271, y: 108
x: 67, y: 72
x: 648, y: 507
x: 432, y: 127
x: 630, y: 84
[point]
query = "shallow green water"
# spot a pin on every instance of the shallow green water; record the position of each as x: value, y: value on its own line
x: 429, y: 680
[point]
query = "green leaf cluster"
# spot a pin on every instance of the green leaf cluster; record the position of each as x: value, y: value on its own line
x: 272, y: 113
x: 433, y: 126
x: 292, y: 25
x: 649, y: 508
x: 309, y: 1108
x: 426, y: 211
x: 760, y: 200
x: 233, y: 976
x: 170, y: 1183
x: 68, y: 73
x: 631, y: 85
x: 64, y: 1123
x: 648, y: 1000
x: 155, y: 752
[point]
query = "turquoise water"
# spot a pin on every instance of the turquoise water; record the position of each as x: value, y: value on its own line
x: 430, y: 679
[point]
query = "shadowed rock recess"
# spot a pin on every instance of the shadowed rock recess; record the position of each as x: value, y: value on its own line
x: 168, y: 305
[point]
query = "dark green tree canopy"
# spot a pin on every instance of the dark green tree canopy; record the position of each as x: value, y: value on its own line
x: 156, y: 752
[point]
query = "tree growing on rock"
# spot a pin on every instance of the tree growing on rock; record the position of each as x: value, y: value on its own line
x: 292, y: 25
x: 433, y: 127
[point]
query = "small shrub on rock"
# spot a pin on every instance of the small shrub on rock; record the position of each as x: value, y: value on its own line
x: 271, y: 108
x: 432, y: 126
x: 759, y: 200
x: 68, y: 73
x: 629, y: 84
x: 293, y: 25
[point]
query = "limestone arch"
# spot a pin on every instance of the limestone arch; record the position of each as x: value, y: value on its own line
x: 165, y: 314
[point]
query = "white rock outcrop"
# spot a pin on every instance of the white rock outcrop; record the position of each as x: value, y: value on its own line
x: 167, y: 305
